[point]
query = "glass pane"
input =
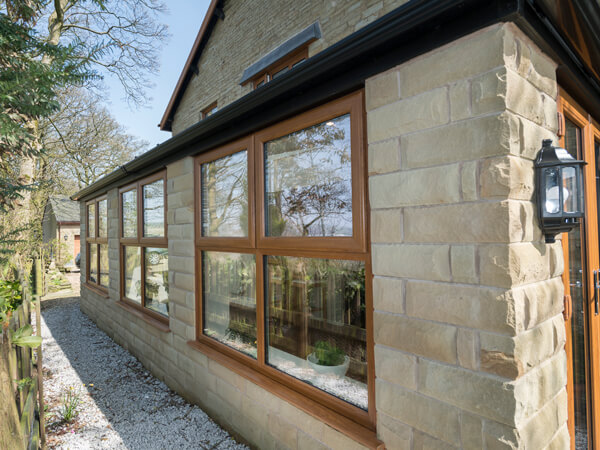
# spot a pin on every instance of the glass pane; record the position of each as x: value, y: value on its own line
x: 316, y: 323
x: 133, y: 274
x: 552, y: 204
x: 102, y: 219
x: 281, y: 72
x: 569, y: 187
x: 157, y: 280
x: 154, y: 209
x: 225, y: 196
x: 93, y: 262
x: 92, y: 220
x: 229, y: 295
x: 129, y: 201
x: 308, y: 181
x: 103, y: 265
x: 576, y: 288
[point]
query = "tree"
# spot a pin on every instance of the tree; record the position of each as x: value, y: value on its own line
x: 83, y: 142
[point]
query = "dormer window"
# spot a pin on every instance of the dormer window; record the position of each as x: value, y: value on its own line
x: 209, y: 111
x: 281, y: 59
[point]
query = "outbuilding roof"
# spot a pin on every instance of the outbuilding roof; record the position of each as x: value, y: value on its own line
x: 65, y: 209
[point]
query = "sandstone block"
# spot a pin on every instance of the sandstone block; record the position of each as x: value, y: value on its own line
x: 388, y: 295
x: 406, y: 188
x: 181, y: 248
x: 334, y: 439
x: 561, y: 440
x: 460, y: 101
x: 396, y: 367
x: 426, y: 262
x: 184, y: 281
x: 467, y: 347
x: 514, y: 264
x: 415, y: 113
x: 180, y: 167
x: 535, y: 303
x: 423, y: 413
x: 524, y: 99
x: 463, y: 58
x: 507, y: 177
x: 473, y: 392
x: 498, y: 436
x: 384, y: 156
x: 463, y: 263
x: 462, y: 141
x: 470, y: 306
x: 540, y: 429
x: 468, y: 181
x: 429, y: 339
x: 488, y: 92
x: 394, y: 434
x: 532, y: 136
x: 422, y: 441
x: 283, y: 431
x: 386, y: 225
x: 539, y: 386
x: 381, y: 90
x: 471, y: 434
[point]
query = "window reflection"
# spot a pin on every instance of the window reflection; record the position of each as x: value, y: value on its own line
x: 93, y: 262
x: 92, y: 220
x: 103, y: 264
x: 229, y: 293
x: 154, y: 209
x: 133, y: 274
x: 308, y: 181
x: 157, y: 280
x: 225, y: 196
x: 316, y: 323
x: 102, y: 219
x: 129, y: 204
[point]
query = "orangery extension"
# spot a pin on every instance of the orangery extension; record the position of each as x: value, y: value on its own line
x: 353, y: 238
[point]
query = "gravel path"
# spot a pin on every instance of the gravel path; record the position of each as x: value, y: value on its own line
x: 122, y: 406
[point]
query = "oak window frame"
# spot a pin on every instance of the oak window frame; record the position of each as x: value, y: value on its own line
x: 333, y: 410
x: 140, y: 241
x: 97, y: 240
x: 271, y: 72
x: 209, y: 111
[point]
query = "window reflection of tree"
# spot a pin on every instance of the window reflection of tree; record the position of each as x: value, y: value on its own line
x: 225, y: 196
x: 154, y: 208
x: 308, y: 181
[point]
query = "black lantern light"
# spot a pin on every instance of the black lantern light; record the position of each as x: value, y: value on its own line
x: 559, y: 183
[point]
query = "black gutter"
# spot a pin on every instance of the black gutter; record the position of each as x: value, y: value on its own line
x: 412, y: 29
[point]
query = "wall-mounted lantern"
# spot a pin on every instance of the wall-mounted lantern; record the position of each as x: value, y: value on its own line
x: 66, y: 237
x: 559, y: 184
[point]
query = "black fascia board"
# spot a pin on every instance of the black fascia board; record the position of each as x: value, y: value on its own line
x: 412, y: 29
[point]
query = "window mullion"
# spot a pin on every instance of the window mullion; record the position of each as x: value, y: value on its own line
x: 260, y: 309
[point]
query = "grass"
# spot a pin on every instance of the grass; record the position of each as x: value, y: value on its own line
x: 68, y: 409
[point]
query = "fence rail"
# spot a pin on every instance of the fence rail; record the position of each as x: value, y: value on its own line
x: 21, y: 384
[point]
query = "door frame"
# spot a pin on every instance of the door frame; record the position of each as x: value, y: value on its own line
x: 590, y: 133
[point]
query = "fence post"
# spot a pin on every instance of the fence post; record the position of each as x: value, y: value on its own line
x: 38, y: 277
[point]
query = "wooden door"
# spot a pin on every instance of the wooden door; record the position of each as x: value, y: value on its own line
x: 581, y: 280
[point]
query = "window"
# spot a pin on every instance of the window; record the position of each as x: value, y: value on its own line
x: 283, y: 261
x: 280, y: 67
x: 143, y: 246
x: 97, y: 243
x: 209, y: 111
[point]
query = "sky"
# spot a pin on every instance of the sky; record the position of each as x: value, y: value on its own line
x: 184, y: 20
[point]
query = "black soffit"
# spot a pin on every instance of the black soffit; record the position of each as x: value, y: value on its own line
x: 412, y: 29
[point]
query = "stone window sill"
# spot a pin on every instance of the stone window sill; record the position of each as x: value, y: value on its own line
x: 97, y: 289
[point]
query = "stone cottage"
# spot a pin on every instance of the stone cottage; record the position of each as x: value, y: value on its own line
x: 340, y: 247
x: 61, y: 223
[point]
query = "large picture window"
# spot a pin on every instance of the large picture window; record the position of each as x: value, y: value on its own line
x: 283, y: 262
x: 97, y: 243
x: 143, y: 244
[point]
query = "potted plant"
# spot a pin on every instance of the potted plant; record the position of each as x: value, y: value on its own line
x: 328, y: 359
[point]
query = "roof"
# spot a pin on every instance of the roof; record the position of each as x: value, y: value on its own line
x: 214, y: 12
x: 412, y: 29
x: 65, y: 209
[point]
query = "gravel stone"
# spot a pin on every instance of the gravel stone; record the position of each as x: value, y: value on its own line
x: 122, y: 406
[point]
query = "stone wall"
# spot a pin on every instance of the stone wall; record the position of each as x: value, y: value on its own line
x: 469, y: 336
x: 468, y: 330
x: 252, y: 29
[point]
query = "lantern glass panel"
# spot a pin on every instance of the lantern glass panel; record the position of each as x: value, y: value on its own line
x: 569, y: 189
x: 551, y: 187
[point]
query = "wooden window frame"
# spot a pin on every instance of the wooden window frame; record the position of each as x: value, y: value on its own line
x: 287, y: 61
x: 97, y: 240
x: 329, y: 408
x: 207, y: 112
x: 141, y: 242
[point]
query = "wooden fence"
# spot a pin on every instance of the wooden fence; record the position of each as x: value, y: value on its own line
x: 21, y: 388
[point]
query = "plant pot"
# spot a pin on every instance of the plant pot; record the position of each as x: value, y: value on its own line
x: 338, y: 371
